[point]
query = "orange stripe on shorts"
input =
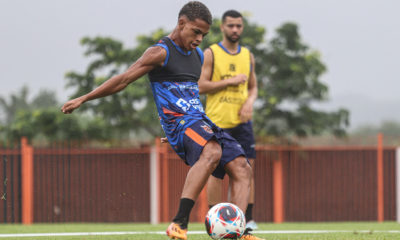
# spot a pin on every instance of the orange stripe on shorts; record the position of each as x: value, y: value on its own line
x: 195, y: 137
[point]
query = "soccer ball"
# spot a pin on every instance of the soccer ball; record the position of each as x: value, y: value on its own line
x: 225, y: 221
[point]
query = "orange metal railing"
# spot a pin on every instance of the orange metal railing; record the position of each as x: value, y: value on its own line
x: 66, y: 184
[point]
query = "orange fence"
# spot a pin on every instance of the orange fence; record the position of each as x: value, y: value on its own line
x: 67, y: 184
x: 11, y: 184
x: 325, y: 184
x: 302, y: 184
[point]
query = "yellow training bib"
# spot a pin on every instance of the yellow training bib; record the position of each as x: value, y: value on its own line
x: 223, y: 106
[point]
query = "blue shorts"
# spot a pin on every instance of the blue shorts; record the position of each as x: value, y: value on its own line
x: 195, y: 138
x: 243, y: 133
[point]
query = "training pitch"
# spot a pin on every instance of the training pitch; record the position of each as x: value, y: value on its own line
x: 133, y: 231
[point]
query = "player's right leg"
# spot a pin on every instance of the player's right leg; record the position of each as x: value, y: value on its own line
x: 194, y: 183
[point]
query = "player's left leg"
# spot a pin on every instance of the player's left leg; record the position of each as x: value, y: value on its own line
x: 214, y: 191
x: 240, y: 173
x: 243, y: 133
x: 250, y: 223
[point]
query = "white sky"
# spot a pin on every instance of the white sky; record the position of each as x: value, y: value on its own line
x: 359, y: 42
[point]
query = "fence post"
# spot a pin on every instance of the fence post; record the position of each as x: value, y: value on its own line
x: 380, y: 189
x: 163, y: 203
x: 27, y: 181
x: 277, y: 172
x: 154, y: 185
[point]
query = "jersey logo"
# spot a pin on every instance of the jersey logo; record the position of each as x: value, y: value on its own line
x: 183, y: 104
x: 232, y: 67
x: 226, y: 76
x: 207, y: 128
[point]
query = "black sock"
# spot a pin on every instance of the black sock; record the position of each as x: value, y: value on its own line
x: 182, y: 217
x: 249, y: 212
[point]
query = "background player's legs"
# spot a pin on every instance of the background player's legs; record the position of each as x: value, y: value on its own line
x: 252, y: 193
x: 249, y: 211
x: 214, y: 193
x: 196, y: 179
x: 240, y: 174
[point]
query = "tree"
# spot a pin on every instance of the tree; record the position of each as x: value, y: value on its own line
x: 289, y: 82
x: 18, y: 101
x: 42, y: 117
x: 387, y: 128
x: 44, y: 99
x: 288, y: 74
x: 130, y: 110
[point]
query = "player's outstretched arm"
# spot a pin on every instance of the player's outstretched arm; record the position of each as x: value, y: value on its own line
x: 153, y: 57
x: 208, y: 86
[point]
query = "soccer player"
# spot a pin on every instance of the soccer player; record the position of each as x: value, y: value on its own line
x: 174, y: 67
x: 229, y: 80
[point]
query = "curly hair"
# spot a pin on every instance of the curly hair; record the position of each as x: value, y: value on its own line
x: 196, y: 10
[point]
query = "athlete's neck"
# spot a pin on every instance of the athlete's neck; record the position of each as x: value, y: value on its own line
x: 230, y: 46
x: 174, y: 36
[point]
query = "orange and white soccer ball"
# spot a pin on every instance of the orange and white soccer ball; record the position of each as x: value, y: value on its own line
x: 225, y: 221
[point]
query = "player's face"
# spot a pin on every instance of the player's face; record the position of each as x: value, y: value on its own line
x: 232, y: 28
x: 193, y: 32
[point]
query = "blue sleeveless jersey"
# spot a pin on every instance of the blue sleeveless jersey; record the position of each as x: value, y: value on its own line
x: 176, y: 92
x: 182, y: 117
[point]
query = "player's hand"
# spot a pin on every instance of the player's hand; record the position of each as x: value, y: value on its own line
x: 238, y: 79
x: 246, y: 112
x: 71, y: 105
x: 164, y: 140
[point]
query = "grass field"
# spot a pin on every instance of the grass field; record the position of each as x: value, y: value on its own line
x: 286, y: 231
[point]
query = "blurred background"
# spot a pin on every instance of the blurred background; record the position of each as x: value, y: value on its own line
x: 52, y: 51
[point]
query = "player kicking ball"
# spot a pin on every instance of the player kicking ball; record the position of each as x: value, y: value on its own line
x: 174, y: 66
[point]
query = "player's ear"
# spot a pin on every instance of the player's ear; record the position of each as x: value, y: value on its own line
x: 182, y: 21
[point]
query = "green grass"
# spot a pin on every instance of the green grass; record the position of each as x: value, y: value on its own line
x: 357, y: 231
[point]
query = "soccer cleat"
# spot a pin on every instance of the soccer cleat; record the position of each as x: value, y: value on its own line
x: 248, y: 236
x: 251, y: 224
x: 174, y: 231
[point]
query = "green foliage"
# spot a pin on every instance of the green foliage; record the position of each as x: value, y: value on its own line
x: 288, y: 74
x: 22, y: 125
x: 44, y: 99
x: 17, y: 101
x: 387, y: 128
x: 51, y: 124
x: 42, y: 117
x: 288, y: 81
x: 132, y: 109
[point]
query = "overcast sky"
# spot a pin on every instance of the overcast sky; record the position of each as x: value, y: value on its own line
x: 359, y: 42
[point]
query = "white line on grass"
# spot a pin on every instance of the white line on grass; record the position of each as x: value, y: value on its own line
x: 10, y: 235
